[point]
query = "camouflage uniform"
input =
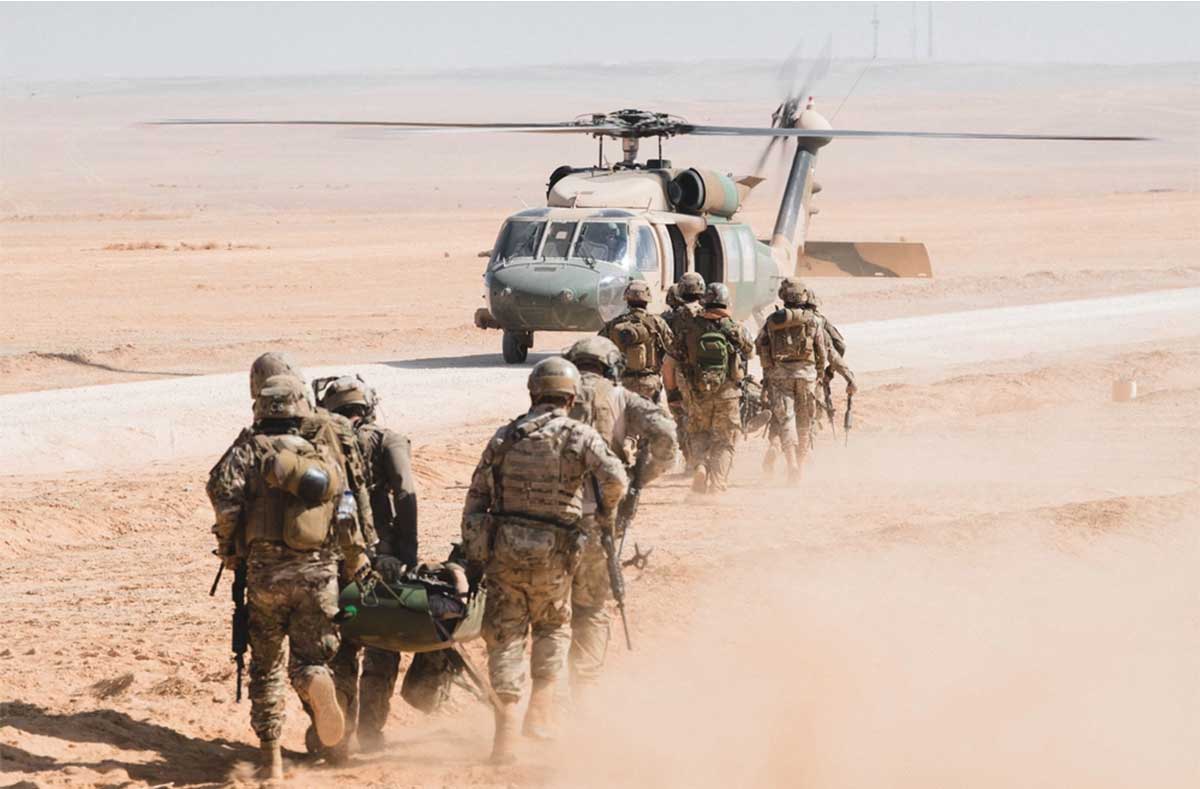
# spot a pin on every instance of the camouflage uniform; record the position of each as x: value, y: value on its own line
x: 675, y: 382
x: 290, y: 592
x: 530, y: 482
x: 615, y: 412
x: 793, y: 350
x: 713, y: 418
x: 648, y: 382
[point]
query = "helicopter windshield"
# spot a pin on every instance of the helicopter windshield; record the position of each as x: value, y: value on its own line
x: 518, y: 240
x: 608, y: 241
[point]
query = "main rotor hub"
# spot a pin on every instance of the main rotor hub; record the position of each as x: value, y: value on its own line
x: 633, y: 123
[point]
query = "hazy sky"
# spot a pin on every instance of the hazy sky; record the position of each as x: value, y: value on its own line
x: 81, y: 41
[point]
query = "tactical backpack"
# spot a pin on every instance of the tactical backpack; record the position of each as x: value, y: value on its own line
x: 297, y: 506
x: 791, y: 332
x: 711, y: 361
x: 636, y: 343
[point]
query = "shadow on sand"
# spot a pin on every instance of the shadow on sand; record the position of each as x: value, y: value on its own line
x: 83, y: 361
x: 472, y: 361
x: 184, y: 761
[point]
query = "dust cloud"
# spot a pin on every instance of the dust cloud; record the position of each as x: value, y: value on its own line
x: 1020, y: 655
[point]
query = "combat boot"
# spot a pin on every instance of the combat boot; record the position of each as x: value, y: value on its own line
x: 270, y: 761
x: 326, y: 712
x: 768, y: 464
x: 370, y: 740
x: 795, y: 460
x: 506, y: 732
x: 540, y: 718
x: 700, y: 479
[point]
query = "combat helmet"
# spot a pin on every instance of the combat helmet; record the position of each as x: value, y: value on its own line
x: 691, y: 286
x: 267, y: 365
x: 793, y: 291
x: 555, y: 376
x: 638, y: 293
x: 717, y: 295
x: 281, y: 397
x: 345, y: 392
x: 673, y: 300
x: 599, y: 352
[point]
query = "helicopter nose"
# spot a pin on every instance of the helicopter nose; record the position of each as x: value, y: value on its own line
x: 560, y: 298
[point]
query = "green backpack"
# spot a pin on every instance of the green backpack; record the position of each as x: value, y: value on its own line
x: 712, y: 361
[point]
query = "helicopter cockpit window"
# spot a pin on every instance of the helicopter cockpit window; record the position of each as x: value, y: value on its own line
x: 558, y: 239
x: 518, y: 240
x: 608, y: 241
x: 647, y: 250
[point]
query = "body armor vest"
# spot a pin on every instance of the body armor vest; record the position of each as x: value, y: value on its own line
x: 597, y: 406
x: 792, y: 333
x: 540, y: 475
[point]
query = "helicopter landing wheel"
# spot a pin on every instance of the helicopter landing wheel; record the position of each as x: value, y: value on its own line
x: 516, y: 347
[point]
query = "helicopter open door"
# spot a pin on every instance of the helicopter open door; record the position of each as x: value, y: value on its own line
x: 708, y: 257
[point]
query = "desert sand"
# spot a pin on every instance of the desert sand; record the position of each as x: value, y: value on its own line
x: 990, y: 584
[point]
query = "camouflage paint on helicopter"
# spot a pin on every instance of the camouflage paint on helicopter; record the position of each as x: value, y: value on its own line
x: 565, y: 267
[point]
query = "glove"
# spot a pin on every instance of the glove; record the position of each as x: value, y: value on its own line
x: 391, y: 568
x: 231, y: 561
x: 364, y: 573
x: 474, y: 571
x: 851, y: 389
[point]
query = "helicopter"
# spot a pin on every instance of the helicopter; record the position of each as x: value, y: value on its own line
x: 565, y: 266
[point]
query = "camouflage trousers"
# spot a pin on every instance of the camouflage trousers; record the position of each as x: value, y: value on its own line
x: 366, y: 699
x: 291, y: 595
x: 648, y: 386
x: 793, y: 408
x: 713, y: 423
x: 590, y: 617
x: 523, y: 601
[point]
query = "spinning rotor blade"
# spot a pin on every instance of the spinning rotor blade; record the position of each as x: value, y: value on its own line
x: 749, y: 131
x: 789, y: 72
x: 818, y: 72
x: 762, y: 159
x: 409, y: 126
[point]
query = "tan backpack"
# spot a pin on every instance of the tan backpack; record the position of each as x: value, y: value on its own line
x: 304, y: 483
x: 636, y: 342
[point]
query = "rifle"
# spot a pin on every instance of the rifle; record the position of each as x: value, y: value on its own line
x: 624, y: 518
x: 241, y: 622
x: 615, y: 579
x: 847, y: 421
x: 241, y: 617
x: 829, y: 412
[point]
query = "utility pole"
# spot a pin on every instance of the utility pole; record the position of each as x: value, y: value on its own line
x: 930, y: 30
x: 875, y: 41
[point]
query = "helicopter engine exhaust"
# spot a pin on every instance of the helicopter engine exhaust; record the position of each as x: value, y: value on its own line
x: 704, y: 191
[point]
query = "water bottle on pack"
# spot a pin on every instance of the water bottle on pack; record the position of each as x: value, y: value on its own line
x: 347, y: 508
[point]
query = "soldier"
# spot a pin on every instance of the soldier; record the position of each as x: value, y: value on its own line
x: 521, y: 522
x: 710, y: 348
x: 614, y: 412
x: 354, y: 468
x: 392, y: 487
x: 276, y: 496
x: 688, y: 293
x: 835, y: 346
x: 643, y: 340
x: 793, y: 351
